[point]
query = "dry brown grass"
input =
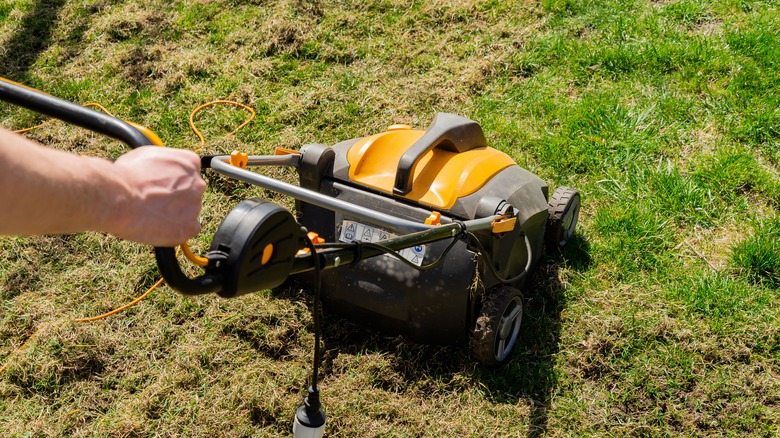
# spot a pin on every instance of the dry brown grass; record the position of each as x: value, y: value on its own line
x: 659, y: 112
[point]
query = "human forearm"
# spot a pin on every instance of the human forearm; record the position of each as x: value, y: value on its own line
x: 150, y: 195
x: 45, y: 191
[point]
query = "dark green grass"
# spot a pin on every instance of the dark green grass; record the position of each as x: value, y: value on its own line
x: 758, y: 256
x: 659, y: 319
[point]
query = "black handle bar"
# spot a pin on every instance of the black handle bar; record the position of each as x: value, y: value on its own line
x: 72, y: 113
x: 125, y: 132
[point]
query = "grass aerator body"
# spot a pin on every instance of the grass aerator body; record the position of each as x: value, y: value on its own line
x: 444, y: 175
x: 428, y: 234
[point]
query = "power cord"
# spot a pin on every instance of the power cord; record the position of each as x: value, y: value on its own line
x: 195, y: 259
x: 86, y: 319
x: 492, y: 268
x: 358, y: 245
x: 310, y: 417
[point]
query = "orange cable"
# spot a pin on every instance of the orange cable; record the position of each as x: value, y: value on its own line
x: 216, y: 102
x: 192, y: 257
x: 119, y: 309
x: 88, y: 319
x: 97, y: 105
x: 126, y: 306
x: 22, y: 131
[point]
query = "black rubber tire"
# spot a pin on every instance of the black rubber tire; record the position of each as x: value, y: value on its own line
x: 564, y: 211
x: 498, y: 326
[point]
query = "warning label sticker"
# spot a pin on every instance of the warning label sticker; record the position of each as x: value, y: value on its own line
x: 351, y: 231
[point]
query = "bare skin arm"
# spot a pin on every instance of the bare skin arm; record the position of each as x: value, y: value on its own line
x: 149, y: 195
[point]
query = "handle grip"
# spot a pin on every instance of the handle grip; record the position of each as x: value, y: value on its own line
x: 173, y: 275
x: 130, y: 134
x: 447, y: 131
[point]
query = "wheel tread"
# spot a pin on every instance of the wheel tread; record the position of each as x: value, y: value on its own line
x: 559, y: 202
x: 482, y: 341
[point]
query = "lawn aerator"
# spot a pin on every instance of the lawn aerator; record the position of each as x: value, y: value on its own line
x: 428, y: 234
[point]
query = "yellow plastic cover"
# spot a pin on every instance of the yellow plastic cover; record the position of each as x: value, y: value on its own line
x: 441, y: 176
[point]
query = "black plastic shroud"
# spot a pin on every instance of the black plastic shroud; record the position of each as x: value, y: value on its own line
x: 254, y: 247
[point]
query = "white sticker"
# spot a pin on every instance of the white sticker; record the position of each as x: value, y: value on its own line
x: 351, y: 231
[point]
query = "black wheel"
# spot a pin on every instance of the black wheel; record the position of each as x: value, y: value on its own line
x: 497, y: 326
x: 564, y: 209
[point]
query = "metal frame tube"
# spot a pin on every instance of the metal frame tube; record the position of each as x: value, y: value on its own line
x: 291, y: 160
x: 333, y: 258
x: 393, y: 223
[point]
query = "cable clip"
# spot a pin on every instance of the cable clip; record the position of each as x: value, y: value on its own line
x: 433, y: 219
x: 314, y: 238
x: 358, y: 251
x: 239, y: 159
x: 503, y: 224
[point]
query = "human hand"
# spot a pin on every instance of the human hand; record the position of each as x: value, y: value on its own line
x: 163, y: 198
